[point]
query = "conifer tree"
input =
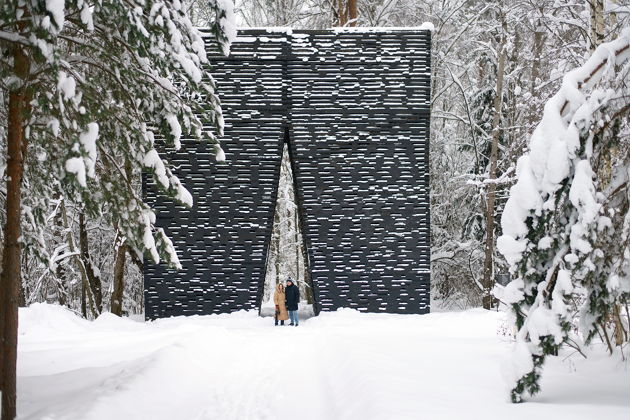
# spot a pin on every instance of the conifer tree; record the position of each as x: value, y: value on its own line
x: 96, y: 82
x: 566, y: 229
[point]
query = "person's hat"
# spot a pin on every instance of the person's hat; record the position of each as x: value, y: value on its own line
x: 290, y: 280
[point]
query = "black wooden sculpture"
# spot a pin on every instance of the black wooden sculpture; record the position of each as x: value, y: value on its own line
x: 353, y: 107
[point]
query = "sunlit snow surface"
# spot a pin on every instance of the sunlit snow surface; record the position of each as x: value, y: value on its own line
x: 341, y: 365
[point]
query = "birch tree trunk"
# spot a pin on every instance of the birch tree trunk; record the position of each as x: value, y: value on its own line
x: 342, y: 17
x: 488, y: 265
x: 539, y: 42
x: 597, y: 23
x: 60, y: 272
x: 276, y: 254
x: 597, y: 34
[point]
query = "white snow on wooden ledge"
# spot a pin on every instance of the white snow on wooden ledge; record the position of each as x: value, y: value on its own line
x: 426, y: 26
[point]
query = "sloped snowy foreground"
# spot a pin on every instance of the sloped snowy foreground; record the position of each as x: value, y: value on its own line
x: 342, y: 365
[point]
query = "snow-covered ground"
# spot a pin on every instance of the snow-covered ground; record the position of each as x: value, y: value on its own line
x: 342, y: 365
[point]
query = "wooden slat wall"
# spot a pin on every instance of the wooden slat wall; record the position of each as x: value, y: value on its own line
x: 356, y: 107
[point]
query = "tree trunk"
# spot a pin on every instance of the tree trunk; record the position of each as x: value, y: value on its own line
x: 116, y: 304
x: 620, y: 332
x: 597, y: 23
x: 612, y: 21
x: 11, y: 270
x: 352, y: 12
x: 78, y: 259
x: 117, y: 299
x: 539, y: 42
x: 62, y: 293
x: 60, y: 281
x: 342, y: 17
x: 94, y: 280
x: 488, y: 265
x: 276, y: 254
x: 83, y: 303
x: 60, y: 275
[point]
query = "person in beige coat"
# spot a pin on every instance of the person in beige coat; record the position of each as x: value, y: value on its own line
x: 281, y: 307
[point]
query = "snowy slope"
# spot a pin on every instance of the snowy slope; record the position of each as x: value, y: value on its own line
x: 342, y: 365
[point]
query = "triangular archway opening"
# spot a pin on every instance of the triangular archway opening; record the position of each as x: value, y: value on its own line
x: 287, y: 255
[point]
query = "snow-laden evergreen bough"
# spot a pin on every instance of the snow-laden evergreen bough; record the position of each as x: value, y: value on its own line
x: 105, y: 79
x: 566, y: 225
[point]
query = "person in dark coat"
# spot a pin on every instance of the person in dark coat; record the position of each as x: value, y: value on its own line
x: 292, y: 296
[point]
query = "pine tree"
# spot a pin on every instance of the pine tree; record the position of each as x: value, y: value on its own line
x: 557, y: 222
x: 92, y: 84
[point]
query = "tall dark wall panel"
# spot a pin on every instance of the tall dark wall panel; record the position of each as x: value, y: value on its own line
x: 356, y: 107
x: 222, y: 241
x: 359, y: 115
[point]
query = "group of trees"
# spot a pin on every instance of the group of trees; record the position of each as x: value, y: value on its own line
x: 88, y: 87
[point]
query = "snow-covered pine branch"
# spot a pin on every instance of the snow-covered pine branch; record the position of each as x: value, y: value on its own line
x: 106, y: 80
x: 555, y: 227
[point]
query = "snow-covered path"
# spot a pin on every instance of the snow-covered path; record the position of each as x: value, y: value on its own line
x: 343, y: 365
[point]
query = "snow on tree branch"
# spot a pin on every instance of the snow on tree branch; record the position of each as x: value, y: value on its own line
x: 554, y: 222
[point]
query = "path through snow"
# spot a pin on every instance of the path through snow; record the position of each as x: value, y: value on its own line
x: 343, y: 365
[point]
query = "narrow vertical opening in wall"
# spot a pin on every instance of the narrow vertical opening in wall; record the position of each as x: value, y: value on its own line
x: 287, y: 256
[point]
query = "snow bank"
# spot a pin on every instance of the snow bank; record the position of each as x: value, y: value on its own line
x: 339, y: 365
x: 41, y: 319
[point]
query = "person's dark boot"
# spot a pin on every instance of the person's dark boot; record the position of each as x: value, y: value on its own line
x: 282, y: 323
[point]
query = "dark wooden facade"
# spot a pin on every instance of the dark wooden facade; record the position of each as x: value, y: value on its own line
x: 354, y: 109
